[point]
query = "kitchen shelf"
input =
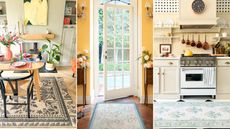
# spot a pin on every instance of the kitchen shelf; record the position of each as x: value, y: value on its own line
x: 70, y: 15
x: 173, y: 27
x: 70, y: 26
x: 222, y: 38
x: 37, y: 36
x: 166, y: 37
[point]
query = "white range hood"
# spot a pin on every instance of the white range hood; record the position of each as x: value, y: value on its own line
x: 188, y: 19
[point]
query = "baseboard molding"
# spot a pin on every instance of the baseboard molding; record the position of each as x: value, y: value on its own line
x: 150, y: 99
x: 80, y: 100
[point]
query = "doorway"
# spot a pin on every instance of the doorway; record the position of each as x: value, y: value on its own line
x: 114, y: 53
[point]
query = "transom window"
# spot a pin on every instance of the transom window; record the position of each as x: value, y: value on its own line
x: 115, y: 1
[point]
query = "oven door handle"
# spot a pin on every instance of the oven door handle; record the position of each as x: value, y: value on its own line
x: 188, y: 69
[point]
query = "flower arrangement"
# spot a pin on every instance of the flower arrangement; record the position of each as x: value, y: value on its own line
x: 8, y: 39
x: 146, y: 59
x: 82, y: 59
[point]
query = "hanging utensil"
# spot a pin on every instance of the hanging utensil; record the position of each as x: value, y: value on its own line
x: 199, y: 44
x: 183, y: 41
x: 193, y: 43
x: 205, y: 45
x: 188, y: 41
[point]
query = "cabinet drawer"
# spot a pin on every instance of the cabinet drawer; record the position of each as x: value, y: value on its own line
x: 223, y: 63
x: 166, y: 63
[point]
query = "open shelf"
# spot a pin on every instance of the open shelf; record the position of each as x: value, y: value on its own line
x: 37, y: 36
x: 166, y: 37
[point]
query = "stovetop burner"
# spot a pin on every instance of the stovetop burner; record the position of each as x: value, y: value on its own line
x: 198, y: 60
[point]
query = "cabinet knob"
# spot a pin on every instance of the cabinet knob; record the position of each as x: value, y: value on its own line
x: 227, y: 62
x: 163, y: 73
x: 158, y: 73
x: 170, y: 63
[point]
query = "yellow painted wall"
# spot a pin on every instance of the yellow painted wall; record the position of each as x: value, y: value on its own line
x: 83, y: 30
x: 83, y: 40
x: 147, y: 38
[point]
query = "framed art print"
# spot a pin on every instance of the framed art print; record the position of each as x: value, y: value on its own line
x: 165, y: 48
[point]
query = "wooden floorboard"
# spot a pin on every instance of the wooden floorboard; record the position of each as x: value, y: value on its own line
x: 146, y: 112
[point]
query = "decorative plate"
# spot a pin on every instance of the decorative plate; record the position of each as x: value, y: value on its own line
x: 19, y: 64
x: 198, y: 6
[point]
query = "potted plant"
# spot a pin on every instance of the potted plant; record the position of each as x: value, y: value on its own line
x: 7, y: 40
x: 53, y: 51
x: 146, y: 58
x: 82, y: 59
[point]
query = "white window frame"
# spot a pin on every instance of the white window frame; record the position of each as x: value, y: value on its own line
x: 137, y: 39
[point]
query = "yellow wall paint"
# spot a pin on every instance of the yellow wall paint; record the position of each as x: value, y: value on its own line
x: 83, y: 29
x: 147, y: 38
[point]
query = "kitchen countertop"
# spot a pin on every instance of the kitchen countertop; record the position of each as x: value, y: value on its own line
x: 178, y: 58
x: 166, y: 58
x: 223, y: 58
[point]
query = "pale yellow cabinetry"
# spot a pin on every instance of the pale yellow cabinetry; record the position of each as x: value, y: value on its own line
x: 166, y: 78
x: 223, y: 78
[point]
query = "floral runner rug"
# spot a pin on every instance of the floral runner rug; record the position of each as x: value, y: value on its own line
x: 56, y: 109
x: 192, y: 114
x: 116, y: 116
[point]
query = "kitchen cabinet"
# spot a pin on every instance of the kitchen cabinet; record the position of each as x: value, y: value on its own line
x: 223, y: 74
x: 68, y: 46
x: 169, y: 80
x: 166, y: 79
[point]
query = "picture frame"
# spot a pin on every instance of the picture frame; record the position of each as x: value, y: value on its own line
x: 165, y: 48
x: 68, y: 10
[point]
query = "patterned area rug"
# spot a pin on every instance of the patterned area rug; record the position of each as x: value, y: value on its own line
x: 192, y: 114
x: 116, y: 116
x: 55, y: 110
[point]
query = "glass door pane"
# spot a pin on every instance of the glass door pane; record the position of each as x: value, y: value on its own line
x: 117, y: 48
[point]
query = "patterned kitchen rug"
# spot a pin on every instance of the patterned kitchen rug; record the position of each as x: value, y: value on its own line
x: 116, y: 116
x: 56, y: 109
x: 192, y: 114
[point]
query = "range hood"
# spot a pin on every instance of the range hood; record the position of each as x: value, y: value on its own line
x: 188, y: 19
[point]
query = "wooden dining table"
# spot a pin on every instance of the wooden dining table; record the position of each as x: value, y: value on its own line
x: 35, y: 66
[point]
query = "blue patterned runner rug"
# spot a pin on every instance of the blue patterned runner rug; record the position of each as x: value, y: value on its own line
x: 192, y: 114
x: 116, y: 116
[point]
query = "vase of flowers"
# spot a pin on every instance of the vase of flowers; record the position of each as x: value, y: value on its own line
x: 146, y: 58
x: 7, y: 40
x: 82, y: 59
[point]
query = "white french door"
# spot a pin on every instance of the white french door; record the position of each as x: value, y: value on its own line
x: 117, y: 51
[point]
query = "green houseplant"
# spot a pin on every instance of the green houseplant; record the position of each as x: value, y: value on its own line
x: 53, y: 51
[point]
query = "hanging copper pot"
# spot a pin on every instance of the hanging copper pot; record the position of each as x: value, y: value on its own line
x: 183, y: 41
x: 188, y: 41
x: 199, y: 44
x: 193, y: 43
x: 205, y: 44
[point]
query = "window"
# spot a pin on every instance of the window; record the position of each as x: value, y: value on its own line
x: 115, y: 1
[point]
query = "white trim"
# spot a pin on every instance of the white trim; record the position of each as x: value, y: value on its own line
x: 150, y: 99
x: 94, y: 45
x: 139, y: 48
x: 92, y: 48
x: 80, y: 100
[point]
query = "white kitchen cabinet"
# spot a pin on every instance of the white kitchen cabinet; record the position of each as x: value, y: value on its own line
x: 166, y: 79
x: 68, y: 46
x: 223, y: 80
x: 170, y: 80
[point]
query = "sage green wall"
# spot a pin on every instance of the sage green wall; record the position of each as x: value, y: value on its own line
x: 15, y: 12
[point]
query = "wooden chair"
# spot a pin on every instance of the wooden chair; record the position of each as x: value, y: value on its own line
x: 17, y: 86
